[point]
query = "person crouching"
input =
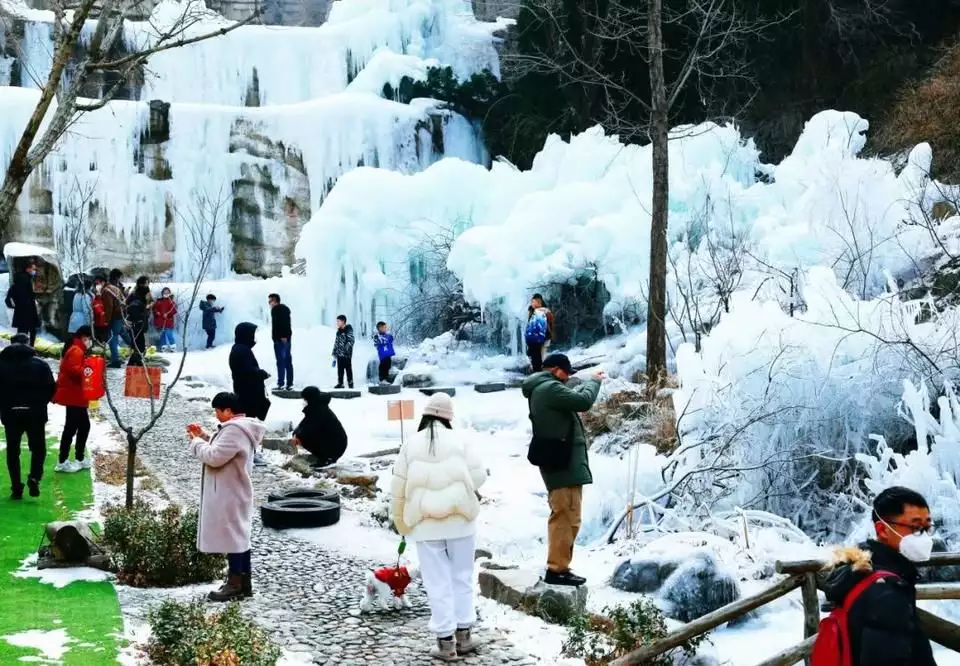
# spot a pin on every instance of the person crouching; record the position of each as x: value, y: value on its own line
x: 434, y: 503
x: 226, y: 491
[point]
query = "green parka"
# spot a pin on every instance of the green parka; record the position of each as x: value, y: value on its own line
x: 553, y: 407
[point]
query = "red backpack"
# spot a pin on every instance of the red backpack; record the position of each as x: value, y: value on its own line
x: 832, y: 646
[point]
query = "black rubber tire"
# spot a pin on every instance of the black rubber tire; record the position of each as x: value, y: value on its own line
x: 306, y: 493
x: 299, y: 513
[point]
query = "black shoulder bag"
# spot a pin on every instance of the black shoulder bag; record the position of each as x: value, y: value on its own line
x: 550, y: 455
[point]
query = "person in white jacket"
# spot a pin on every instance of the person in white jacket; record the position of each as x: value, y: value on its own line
x: 435, y: 504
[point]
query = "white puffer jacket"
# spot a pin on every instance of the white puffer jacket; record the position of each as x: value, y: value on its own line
x: 433, y: 491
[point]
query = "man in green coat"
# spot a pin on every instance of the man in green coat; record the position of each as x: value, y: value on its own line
x: 554, y: 412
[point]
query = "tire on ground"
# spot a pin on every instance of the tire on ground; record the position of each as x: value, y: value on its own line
x: 306, y: 493
x: 299, y: 513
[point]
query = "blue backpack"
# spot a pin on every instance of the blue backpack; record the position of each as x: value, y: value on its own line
x: 536, y: 333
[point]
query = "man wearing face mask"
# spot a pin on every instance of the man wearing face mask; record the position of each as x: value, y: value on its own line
x: 23, y: 301
x: 882, y: 621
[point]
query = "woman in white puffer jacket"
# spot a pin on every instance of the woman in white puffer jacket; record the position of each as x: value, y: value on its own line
x: 435, y: 504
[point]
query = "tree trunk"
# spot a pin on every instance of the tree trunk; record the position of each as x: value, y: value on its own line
x: 659, y: 136
x: 131, y: 468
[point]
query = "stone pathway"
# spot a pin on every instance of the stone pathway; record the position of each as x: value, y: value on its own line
x: 306, y: 596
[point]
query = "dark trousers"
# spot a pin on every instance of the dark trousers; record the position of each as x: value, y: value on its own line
x: 31, y: 332
x: 384, y: 370
x: 238, y: 563
x: 15, y: 424
x: 211, y: 334
x: 284, y: 362
x: 535, y: 352
x: 101, y: 334
x: 344, y: 366
x: 138, y: 334
x: 77, y: 423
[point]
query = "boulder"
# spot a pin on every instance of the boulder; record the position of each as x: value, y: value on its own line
x: 490, y: 387
x: 351, y: 478
x: 416, y: 380
x: 523, y: 589
x: 430, y: 391
x: 697, y: 587
x: 642, y: 575
x: 344, y: 394
x: 281, y: 444
x: 399, y: 362
x: 384, y: 389
x: 302, y: 465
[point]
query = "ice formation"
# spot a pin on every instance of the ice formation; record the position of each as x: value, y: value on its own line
x: 308, y: 111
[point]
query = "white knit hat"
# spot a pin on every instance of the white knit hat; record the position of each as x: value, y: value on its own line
x: 439, y: 405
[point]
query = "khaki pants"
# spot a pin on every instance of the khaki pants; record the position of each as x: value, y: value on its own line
x: 563, y: 526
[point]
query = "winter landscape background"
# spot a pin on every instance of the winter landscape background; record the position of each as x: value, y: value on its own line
x: 812, y: 319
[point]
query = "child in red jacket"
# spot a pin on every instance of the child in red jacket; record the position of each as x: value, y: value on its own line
x: 164, y: 320
x: 70, y: 394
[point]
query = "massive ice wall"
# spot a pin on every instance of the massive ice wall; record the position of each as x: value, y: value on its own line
x: 317, y: 112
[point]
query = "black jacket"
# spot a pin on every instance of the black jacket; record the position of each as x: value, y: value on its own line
x: 883, y: 620
x: 343, y: 343
x: 21, y: 298
x: 248, y: 378
x: 26, y: 382
x: 280, y: 320
x: 320, y: 432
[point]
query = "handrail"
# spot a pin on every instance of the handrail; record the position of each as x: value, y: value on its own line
x: 791, y: 655
x: 813, y: 566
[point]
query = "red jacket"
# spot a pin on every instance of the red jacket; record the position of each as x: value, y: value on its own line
x: 398, y: 578
x: 70, y: 380
x: 164, y: 313
x: 99, y: 314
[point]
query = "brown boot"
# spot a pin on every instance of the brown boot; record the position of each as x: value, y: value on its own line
x: 247, y: 584
x: 230, y: 591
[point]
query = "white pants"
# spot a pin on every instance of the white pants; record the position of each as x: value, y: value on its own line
x: 446, y: 567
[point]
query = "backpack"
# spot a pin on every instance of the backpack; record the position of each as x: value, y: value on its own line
x: 832, y: 645
x: 536, y: 333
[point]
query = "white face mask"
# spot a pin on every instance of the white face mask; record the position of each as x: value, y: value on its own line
x: 914, y: 547
x: 88, y: 343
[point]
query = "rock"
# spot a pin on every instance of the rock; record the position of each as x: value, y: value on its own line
x: 416, y: 380
x: 281, y: 444
x: 351, y: 478
x: 494, y: 566
x: 490, y: 387
x: 384, y: 389
x: 302, y: 465
x: 278, y: 427
x: 380, y: 453
x: 523, y: 590
x: 399, y: 362
x: 287, y: 394
x: 481, y: 552
x: 344, y: 394
x: 642, y: 576
x: 515, y: 382
x: 698, y: 587
x: 430, y: 391
x: 373, y: 369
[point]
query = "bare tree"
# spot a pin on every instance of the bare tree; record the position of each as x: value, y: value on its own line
x: 73, y: 229
x: 203, y: 220
x: 76, y: 62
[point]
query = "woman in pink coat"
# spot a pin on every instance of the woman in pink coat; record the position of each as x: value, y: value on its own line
x: 226, y: 491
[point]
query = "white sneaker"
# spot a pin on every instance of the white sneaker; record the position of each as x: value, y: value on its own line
x: 84, y: 464
x: 68, y: 467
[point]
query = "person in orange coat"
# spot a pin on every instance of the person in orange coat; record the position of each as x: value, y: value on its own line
x: 70, y: 395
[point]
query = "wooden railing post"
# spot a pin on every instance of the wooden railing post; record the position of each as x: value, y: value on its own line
x: 811, y: 607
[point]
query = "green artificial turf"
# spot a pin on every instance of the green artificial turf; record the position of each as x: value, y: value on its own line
x: 88, y: 612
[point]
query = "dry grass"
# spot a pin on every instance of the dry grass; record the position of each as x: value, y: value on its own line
x: 663, y: 426
x: 112, y: 468
x: 928, y: 111
x: 606, y: 415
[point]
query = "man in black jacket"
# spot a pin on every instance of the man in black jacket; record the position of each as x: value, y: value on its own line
x: 28, y: 386
x: 343, y: 351
x: 882, y: 622
x: 247, y: 376
x: 282, y: 340
x: 23, y: 301
x: 320, y: 432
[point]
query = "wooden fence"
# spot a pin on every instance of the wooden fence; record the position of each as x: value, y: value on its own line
x: 804, y: 575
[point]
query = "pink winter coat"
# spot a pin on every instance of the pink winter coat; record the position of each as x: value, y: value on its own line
x: 226, y: 491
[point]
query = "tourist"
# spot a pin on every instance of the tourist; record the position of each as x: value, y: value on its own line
x: 22, y: 299
x: 882, y: 624
x: 247, y: 376
x: 209, y: 309
x: 343, y: 351
x: 282, y: 332
x: 434, y: 504
x: 82, y: 312
x: 138, y: 306
x: 539, y: 331
x: 165, y: 320
x: 101, y: 327
x: 28, y: 386
x: 383, y: 341
x: 113, y: 303
x: 226, y: 497
x: 70, y: 394
x: 320, y: 432
x: 555, y: 416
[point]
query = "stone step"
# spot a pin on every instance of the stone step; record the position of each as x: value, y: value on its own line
x: 281, y: 444
x: 384, y: 389
x: 490, y: 387
x: 344, y: 394
x: 436, y: 389
x: 523, y: 590
x: 290, y: 394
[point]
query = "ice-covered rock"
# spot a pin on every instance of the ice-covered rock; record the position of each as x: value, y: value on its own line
x: 416, y: 380
x: 697, y: 587
x: 642, y: 575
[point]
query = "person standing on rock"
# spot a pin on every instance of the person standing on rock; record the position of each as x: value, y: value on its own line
x: 113, y: 303
x: 70, y: 395
x: 22, y: 299
x: 434, y: 503
x: 555, y: 416
x: 320, y: 432
x: 248, y: 377
x: 343, y: 351
x: 539, y: 331
x: 209, y: 308
x: 226, y: 492
x: 28, y: 386
x: 282, y: 340
x: 383, y: 341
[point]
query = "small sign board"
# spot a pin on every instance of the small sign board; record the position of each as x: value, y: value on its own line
x: 399, y: 410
